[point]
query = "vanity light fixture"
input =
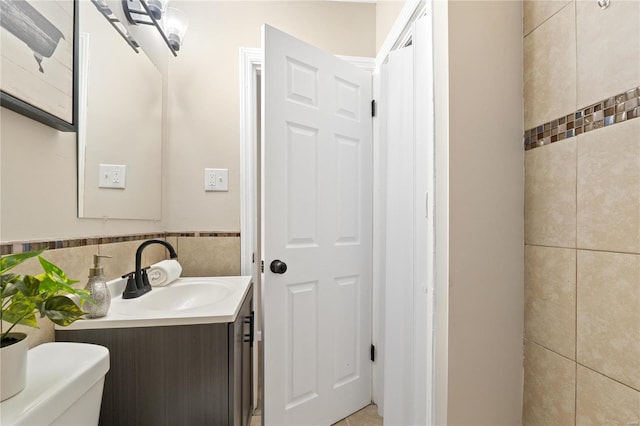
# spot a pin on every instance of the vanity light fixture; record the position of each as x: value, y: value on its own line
x: 603, y: 4
x: 121, y: 29
x: 170, y: 22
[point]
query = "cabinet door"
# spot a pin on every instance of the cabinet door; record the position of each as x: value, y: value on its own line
x: 247, y: 368
x: 235, y: 368
x: 241, y: 364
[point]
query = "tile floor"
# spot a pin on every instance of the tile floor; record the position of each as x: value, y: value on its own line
x: 368, y: 416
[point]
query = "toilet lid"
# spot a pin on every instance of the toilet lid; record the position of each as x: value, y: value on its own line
x: 58, y: 374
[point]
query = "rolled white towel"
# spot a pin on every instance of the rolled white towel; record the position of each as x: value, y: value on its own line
x: 164, y: 272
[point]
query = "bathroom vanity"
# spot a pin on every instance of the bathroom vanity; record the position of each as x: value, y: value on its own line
x: 189, y: 369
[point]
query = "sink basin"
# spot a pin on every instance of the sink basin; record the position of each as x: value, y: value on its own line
x: 184, y: 296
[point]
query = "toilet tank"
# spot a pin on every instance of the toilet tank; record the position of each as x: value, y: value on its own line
x: 64, y: 386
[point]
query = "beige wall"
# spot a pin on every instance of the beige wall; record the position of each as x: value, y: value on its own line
x: 387, y: 12
x: 582, y: 218
x: 204, y: 90
x: 483, y: 76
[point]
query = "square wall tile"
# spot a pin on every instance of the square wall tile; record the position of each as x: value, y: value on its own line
x: 154, y: 253
x: 608, y: 314
x: 549, y: 387
x: 535, y: 12
x: 609, y: 188
x: 550, y: 69
x: 602, y: 401
x: 173, y: 240
x: 123, y: 258
x: 608, y: 46
x: 550, y: 195
x: 74, y: 261
x: 209, y: 256
x: 550, y: 298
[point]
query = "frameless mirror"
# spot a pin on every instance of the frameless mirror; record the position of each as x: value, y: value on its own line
x: 120, y: 124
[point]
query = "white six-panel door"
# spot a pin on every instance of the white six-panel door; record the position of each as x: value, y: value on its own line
x: 317, y: 215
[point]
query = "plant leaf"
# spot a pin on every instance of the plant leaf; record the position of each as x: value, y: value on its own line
x: 54, y: 287
x: 51, y: 285
x: 7, y: 278
x: 28, y: 285
x: 54, y: 272
x: 20, y: 311
x: 7, y: 287
x: 13, y: 260
x: 62, y: 311
x: 84, y: 296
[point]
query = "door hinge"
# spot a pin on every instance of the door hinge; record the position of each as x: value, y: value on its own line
x: 373, y: 107
x: 262, y: 265
x: 253, y: 258
x: 373, y: 353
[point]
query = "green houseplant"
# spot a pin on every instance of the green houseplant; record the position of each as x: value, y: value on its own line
x: 23, y: 297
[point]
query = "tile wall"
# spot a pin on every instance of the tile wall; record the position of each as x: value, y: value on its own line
x: 199, y: 253
x: 582, y: 214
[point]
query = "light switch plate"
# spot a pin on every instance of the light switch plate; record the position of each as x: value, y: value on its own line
x: 112, y: 176
x: 216, y: 180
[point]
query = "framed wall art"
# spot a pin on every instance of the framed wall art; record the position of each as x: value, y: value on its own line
x: 38, y: 60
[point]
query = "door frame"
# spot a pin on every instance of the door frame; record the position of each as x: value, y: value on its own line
x: 250, y: 66
x: 250, y: 63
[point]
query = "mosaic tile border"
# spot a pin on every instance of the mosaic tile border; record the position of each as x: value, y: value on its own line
x: 203, y: 234
x: 25, y: 246
x: 616, y: 109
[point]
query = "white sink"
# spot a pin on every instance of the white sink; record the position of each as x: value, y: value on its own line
x: 192, y: 300
x: 184, y: 295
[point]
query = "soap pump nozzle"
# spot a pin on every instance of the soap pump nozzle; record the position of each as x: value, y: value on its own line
x: 98, y: 290
x: 97, y: 268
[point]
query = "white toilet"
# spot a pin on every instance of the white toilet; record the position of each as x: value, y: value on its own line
x: 64, y: 386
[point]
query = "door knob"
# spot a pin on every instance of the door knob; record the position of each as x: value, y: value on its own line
x: 278, y: 267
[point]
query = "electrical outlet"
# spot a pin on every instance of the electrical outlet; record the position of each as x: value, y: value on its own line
x: 216, y: 180
x: 112, y: 176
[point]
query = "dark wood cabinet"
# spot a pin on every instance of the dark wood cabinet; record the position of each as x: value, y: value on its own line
x: 177, y: 375
x: 241, y: 366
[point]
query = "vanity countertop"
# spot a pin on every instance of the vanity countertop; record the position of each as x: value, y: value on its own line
x: 186, y: 301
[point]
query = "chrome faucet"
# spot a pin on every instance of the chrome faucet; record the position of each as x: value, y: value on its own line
x: 138, y: 281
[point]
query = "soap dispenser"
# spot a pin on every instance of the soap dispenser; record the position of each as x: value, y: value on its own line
x: 98, y: 289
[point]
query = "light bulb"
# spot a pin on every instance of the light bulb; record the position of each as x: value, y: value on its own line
x: 175, y: 26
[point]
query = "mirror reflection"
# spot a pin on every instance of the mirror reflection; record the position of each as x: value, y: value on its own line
x: 120, y: 125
